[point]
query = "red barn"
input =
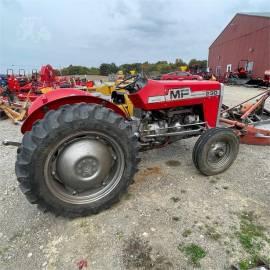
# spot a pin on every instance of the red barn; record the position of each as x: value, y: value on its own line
x: 245, y: 42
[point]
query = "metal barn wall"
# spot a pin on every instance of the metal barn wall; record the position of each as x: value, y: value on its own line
x: 245, y: 38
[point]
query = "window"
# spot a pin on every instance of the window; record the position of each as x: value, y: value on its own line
x: 182, y: 73
x: 229, y: 68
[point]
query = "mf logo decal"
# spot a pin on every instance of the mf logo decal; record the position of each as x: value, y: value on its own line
x: 178, y: 93
x: 183, y: 93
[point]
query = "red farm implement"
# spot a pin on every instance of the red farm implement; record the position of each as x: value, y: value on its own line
x: 250, y: 119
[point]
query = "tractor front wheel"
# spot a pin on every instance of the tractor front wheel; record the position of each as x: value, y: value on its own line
x: 215, y: 150
x: 78, y: 160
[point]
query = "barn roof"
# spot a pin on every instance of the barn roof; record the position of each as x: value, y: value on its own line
x: 258, y: 14
x: 254, y: 14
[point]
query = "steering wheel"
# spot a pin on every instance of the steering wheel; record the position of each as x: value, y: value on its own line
x: 138, y: 82
x: 135, y: 77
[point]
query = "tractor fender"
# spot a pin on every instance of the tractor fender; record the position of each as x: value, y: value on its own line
x: 59, y: 97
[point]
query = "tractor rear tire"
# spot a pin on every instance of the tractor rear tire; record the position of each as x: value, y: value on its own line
x: 77, y: 160
x: 215, y: 151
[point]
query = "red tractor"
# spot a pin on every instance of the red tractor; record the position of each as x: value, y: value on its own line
x: 79, y: 153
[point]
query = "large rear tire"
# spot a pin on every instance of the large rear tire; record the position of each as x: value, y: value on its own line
x: 215, y: 151
x: 77, y: 160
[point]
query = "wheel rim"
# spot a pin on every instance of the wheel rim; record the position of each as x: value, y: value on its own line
x: 84, y: 167
x: 219, y: 154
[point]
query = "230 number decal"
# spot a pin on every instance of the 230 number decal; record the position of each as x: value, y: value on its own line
x: 212, y: 93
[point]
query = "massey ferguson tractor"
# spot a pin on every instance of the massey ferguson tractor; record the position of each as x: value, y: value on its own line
x: 79, y: 152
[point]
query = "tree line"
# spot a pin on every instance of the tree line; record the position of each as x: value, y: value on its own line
x: 159, y: 67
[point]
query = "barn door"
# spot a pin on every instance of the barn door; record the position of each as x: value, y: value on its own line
x: 229, y: 68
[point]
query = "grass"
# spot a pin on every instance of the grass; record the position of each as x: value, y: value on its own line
x: 252, y: 262
x: 212, y: 233
x: 175, y: 218
x: 194, y: 252
x: 83, y: 223
x: 245, y: 264
x: 186, y: 233
x: 120, y: 235
x: 175, y: 199
x: 251, y: 237
x: 250, y: 234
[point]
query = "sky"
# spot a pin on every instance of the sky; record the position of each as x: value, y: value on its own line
x: 91, y: 32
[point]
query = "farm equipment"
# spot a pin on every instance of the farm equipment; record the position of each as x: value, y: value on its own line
x: 108, y: 91
x: 266, y: 80
x: 250, y: 119
x: 37, y: 83
x: 181, y: 75
x: 14, y: 111
x: 10, y: 107
x: 79, y: 152
x: 241, y: 76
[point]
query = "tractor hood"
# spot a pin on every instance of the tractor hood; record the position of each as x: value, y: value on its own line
x: 188, y: 83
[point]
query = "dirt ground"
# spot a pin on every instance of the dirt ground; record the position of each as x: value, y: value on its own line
x: 171, y: 218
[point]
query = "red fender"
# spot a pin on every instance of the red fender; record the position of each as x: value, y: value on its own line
x: 59, y: 97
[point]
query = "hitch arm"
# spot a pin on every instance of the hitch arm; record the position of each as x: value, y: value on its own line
x: 7, y: 143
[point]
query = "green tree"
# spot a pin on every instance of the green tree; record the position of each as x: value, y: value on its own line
x: 159, y: 67
x: 197, y: 65
x: 79, y: 70
x: 106, y: 69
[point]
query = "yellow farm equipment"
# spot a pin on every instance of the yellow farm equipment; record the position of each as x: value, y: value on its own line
x: 14, y: 111
x: 107, y: 89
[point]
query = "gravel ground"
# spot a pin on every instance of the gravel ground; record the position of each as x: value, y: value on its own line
x: 169, y: 210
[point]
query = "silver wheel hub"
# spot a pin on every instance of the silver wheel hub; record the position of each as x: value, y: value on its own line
x: 86, y: 167
x: 217, y: 151
x: 84, y: 164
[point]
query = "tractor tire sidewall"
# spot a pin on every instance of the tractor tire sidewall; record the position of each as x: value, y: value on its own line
x: 41, y: 155
x: 118, y: 131
x: 200, y: 140
x: 204, y: 144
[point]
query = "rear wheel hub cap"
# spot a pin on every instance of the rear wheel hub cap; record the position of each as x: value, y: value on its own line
x: 84, y: 164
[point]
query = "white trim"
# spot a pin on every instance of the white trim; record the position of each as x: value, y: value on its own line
x: 220, y: 104
x: 156, y: 99
x: 183, y: 94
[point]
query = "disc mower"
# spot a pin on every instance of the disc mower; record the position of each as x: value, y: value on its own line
x: 79, y: 152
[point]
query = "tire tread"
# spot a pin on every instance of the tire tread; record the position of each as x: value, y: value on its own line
x: 53, y: 120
